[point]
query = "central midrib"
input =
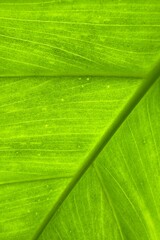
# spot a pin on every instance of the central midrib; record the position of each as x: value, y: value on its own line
x: 131, y: 104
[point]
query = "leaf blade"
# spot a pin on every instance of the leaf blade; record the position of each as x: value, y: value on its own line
x: 129, y: 179
x: 77, y: 38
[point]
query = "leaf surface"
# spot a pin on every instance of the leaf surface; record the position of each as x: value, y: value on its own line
x: 78, y: 37
x: 118, y: 197
x: 70, y: 74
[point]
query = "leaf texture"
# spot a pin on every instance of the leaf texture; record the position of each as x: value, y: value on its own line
x: 72, y: 165
x: 78, y: 37
x: 118, y: 197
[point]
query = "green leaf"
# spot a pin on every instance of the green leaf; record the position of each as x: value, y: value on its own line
x: 118, y: 197
x: 78, y: 37
x: 79, y: 136
x: 47, y: 128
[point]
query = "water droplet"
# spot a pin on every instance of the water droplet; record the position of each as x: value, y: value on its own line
x: 82, y: 86
x: 46, y: 125
x: 62, y: 99
x: 28, y: 210
x: 79, y: 146
x: 79, y: 78
x: 36, y: 213
x: 108, y: 86
x: 88, y: 79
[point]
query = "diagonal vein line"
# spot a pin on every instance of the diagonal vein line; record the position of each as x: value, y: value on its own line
x: 45, y: 178
x: 135, y: 99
